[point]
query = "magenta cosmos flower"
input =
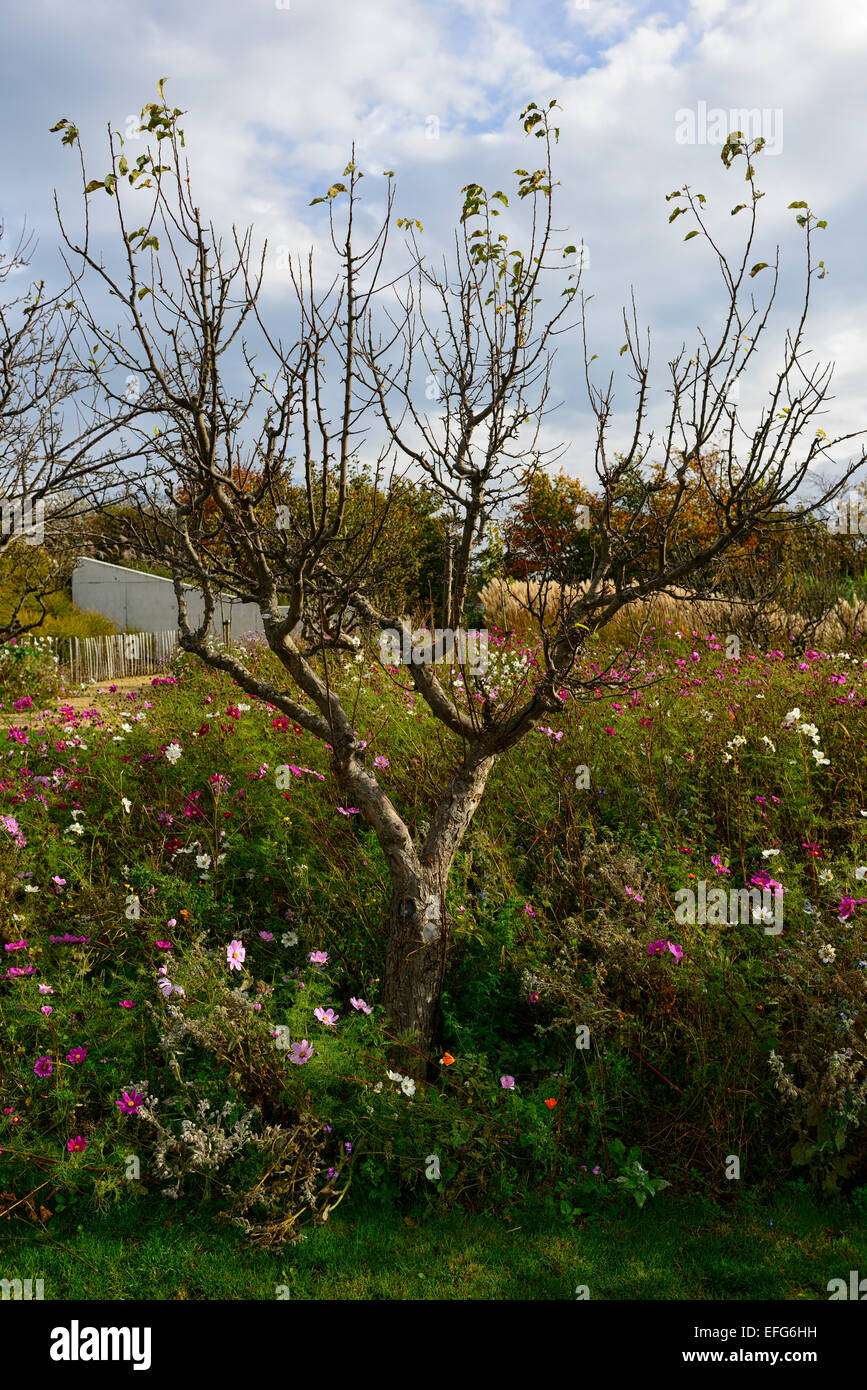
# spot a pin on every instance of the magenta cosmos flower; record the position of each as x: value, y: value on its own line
x: 130, y: 1102
x: 44, y: 1066
x: 127, y: 1003
x: 327, y: 1016
x: 77, y: 1145
x: 300, y: 1052
x: 77, y: 1054
x: 235, y: 955
x: 507, y: 1083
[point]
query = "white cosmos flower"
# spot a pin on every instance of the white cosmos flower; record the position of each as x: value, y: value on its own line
x: 394, y: 1076
x: 861, y: 872
x: 827, y: 954
x: 769, y: 853
x: 820, y: 757
x: 203, y: 861
x: 126, y: 804
x: 289, y: 938
x: 407, y: 1085
x: 173, y: 752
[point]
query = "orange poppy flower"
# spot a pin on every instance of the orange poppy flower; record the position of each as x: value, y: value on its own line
x: 550, y: 1103
x: 447, y: 1059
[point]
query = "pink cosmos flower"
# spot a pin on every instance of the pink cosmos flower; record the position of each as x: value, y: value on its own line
x: 327, y: 1016
x: 127, y: 1003
x: 76, y: 1145
x: 720, y: 867
x: 130, y: 1102
x: 44, y: 1066
x: 507, y: 1083
x: 77, y: 1054
x: 165, y: 945
x: 47, y: 1010
x: 235, y: 955
x: 318, y: 957
x: 267, y: 935
x: 360, y: 1004
x: 300, y: 1052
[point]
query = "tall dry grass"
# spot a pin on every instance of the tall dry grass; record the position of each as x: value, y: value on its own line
x: 517, y: 605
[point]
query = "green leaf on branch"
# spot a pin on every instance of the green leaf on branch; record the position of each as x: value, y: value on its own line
x: 690, y: 235
x: 760, y: 265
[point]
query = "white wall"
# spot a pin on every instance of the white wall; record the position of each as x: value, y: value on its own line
x: 134, y: 599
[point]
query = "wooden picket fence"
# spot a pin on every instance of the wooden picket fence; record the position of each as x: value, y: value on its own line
x: 121, y: 654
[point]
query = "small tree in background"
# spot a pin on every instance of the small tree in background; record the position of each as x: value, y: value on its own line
x: 52, y: 472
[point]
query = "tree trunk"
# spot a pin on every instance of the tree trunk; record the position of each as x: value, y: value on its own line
x: 415, y: 965
x: 415, y: 959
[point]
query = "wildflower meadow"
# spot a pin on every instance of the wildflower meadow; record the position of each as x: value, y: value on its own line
x: 192, y: 1007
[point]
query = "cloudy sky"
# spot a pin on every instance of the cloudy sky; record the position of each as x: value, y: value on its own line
x: 275, y: 94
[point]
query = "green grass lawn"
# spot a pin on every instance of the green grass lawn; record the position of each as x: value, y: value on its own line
x: 668, y: 1252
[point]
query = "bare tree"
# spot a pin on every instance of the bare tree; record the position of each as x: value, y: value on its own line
x: 224, y: 455
x: 51, y: 468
